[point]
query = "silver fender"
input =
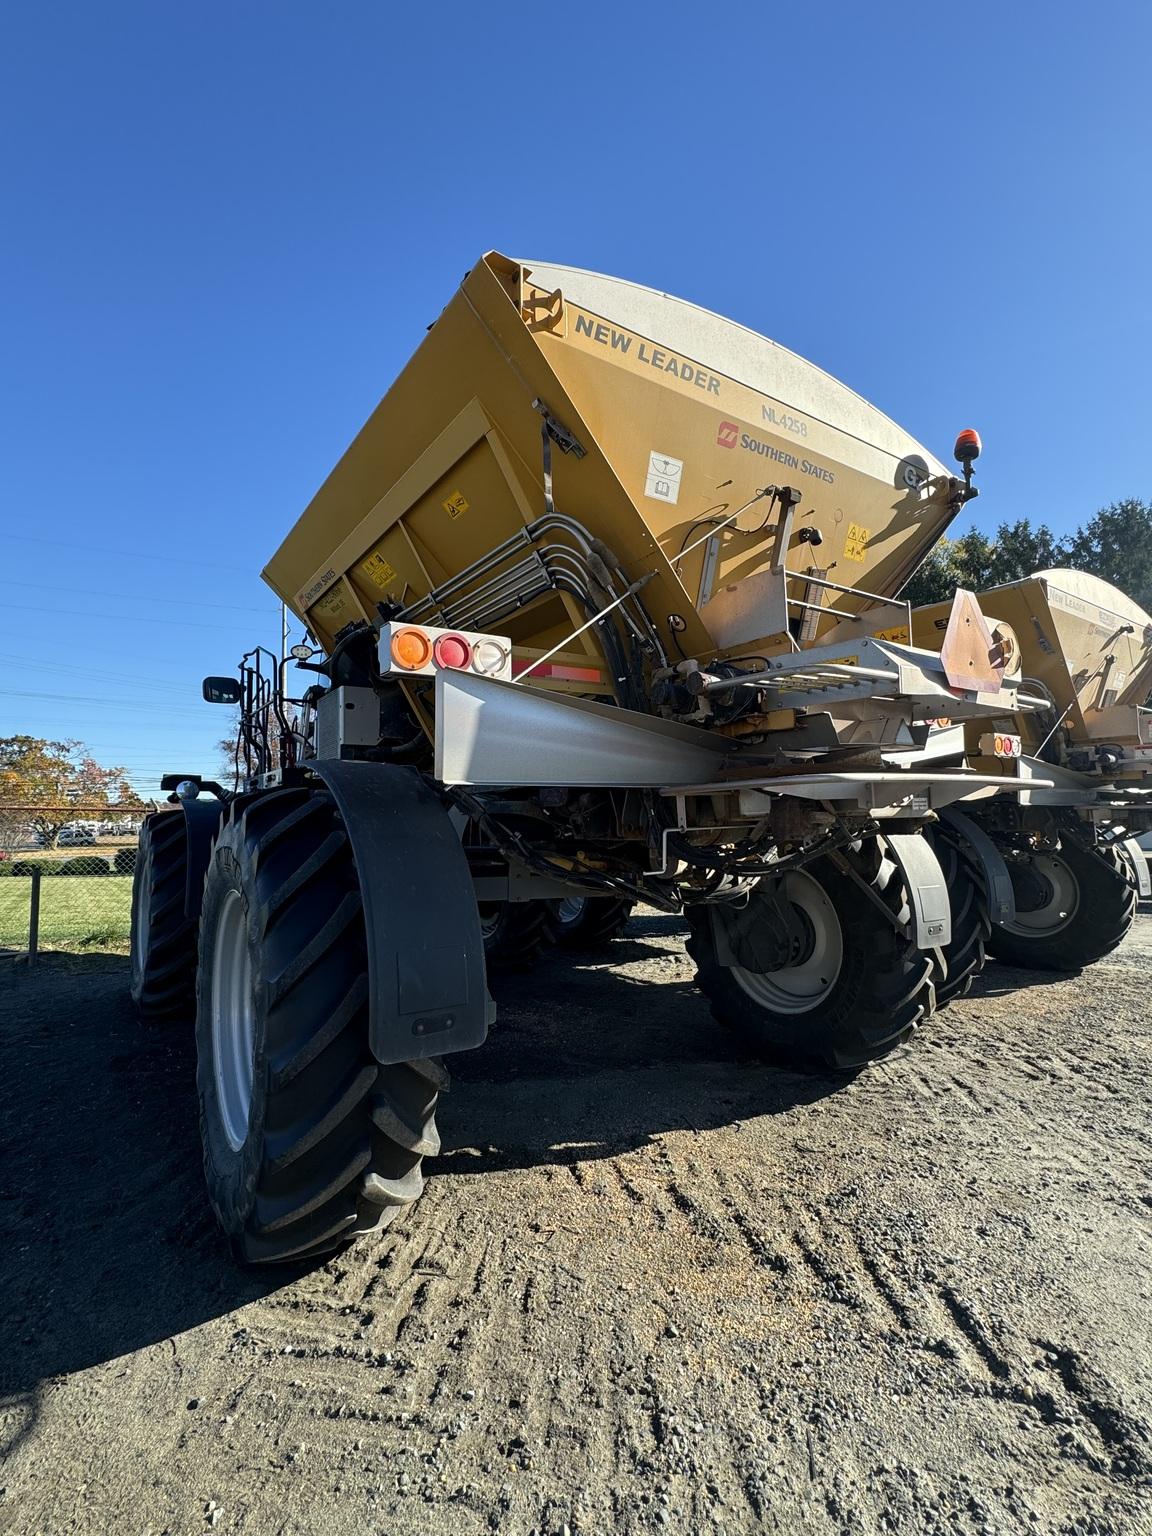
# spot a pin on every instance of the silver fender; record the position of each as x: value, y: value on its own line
x: 990, y: 861
x: 1138, y: 859
x: 931, y: 908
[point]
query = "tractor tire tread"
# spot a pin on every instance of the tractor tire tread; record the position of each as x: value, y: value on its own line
x: 163, y: 958
x: 318, y: 1152
x: 889, y: 986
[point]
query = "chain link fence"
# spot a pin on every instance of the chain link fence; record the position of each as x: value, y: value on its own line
x: 66, y: 887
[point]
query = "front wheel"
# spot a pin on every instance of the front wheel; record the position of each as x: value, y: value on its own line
x: 514, y: 933
x: 308, y: 1140
x: 1073, y: 906
x: 587, y: 922
x: 163, y: 940
x: 856, y: 986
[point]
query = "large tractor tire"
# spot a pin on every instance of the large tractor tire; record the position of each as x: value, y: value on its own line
x: 163, y: 939
x: 587, y: 922
x: 514, y: 933
x: 308, y: 1140
x: 964, y: 957
x: 857, y: 990
x: 1073, y: 906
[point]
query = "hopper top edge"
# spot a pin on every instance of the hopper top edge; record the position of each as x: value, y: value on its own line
x: 733, y: 349
x: 1088, y: 589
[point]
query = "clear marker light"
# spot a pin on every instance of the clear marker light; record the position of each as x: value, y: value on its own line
x: 488, y: 656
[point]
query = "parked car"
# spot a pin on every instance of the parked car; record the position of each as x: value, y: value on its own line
x: 75, y: 837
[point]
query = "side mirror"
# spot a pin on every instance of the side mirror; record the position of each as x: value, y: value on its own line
x: 221, y: 690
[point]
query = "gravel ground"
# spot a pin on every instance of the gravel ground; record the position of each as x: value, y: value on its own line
x: 652, y: 1286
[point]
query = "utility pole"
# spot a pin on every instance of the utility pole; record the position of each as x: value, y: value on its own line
x: 283, y: 654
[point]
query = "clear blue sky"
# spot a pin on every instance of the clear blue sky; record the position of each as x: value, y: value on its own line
x: 227, y: 226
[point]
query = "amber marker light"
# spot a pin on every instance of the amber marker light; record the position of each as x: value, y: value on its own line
x: 411, y: 649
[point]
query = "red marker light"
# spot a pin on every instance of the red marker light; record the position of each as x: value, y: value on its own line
x: 451, y: 651
x: 968, y: 446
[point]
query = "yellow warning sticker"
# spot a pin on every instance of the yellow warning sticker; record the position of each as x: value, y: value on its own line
x: 377, y: 570
x: 899, y: 634
x: 455, y: 506
x: 856, y: 542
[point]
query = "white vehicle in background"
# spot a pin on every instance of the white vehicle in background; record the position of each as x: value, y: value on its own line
x: 76, y: 837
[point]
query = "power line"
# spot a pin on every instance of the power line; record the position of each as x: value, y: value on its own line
x: 136, y: 597
x: 185, y: 690
x: 119, y: 618
x: 92, y: 698
x: 137, y: 554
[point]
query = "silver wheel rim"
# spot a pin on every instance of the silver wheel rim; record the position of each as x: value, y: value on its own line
x: 803, y: 987
x: 490, y: 915
x: 1061, y: 907
x: 233, y: 1033
x: 571, y: 909
x: 141, y: 908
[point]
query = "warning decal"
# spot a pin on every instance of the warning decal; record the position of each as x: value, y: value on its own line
x: 664, y: 474
x: 377, y: 570
x: 856, y: 543
x: 455, y: 505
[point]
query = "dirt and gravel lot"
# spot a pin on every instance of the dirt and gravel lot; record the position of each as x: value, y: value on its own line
x: 652, y: 1286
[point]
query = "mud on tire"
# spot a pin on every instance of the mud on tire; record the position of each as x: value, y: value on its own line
x: 883, y: 987
x: 308, y: 1140
x: 163, y: 941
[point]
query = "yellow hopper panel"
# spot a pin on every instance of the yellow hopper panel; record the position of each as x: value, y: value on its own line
x: 1088, y: 644
x: 682, y: 417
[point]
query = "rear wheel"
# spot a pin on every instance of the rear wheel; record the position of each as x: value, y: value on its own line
x: 163, y: 940
x: 857, y: 986
x: 514, y: 933
x: 308, y: 1140
x: 587, y: 922
x: 1073, y: 906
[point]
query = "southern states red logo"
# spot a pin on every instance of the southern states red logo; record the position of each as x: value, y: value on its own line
x: 727, y: 435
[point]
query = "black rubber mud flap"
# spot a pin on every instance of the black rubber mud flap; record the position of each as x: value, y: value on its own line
x: 427, y: 983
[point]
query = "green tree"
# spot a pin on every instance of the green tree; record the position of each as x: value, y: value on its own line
x: 1019, y: 549
x: 976, y: 562
x: 935, y: 578
x: 41, y: 780
x: 1116, y: 544
x: 963, y: 562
